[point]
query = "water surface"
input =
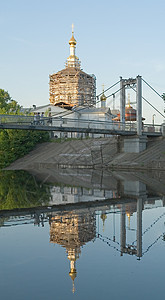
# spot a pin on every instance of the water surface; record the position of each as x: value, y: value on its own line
x: 82, y: 235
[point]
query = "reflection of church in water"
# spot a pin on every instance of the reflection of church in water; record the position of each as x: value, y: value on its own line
x: 72, y: 230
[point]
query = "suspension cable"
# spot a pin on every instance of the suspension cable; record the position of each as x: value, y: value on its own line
x: 152, y: 88
x: 150, y: 104
x: 111, y: 94
x: 67, y: 113
x: 108, y: 88
x: 114, y: 92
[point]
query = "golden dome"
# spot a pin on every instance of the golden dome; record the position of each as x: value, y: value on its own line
x: 72, y: 41
x: 103, y: 97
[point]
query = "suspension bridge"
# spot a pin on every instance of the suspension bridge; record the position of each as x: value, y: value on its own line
x: 71, y: 125
x: 66, y: 124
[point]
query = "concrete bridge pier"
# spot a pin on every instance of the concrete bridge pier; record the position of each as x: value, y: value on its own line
x: 138, y: 143
x: 135, y: 144
x: 163, y: 129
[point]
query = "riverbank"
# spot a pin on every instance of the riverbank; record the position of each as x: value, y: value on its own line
x: 106, y: 153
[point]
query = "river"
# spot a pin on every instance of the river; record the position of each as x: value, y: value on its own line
x: 82, y: 234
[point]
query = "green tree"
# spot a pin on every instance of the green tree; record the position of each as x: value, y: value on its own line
x: 7, y: 104
x: 16, y: 143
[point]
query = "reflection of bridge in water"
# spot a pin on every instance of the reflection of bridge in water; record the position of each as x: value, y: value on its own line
x: 75, y: 222
x: 125, y: 198
x: 76, y: 226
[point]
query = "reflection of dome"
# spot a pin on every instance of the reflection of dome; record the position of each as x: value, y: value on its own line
x: 103, y: 217
x: 129, y: 219
x: 73, y: 255
x: 73, y: 274
x: 72, y: 230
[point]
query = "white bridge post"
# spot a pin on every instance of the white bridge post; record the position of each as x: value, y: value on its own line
x: 122, y: 103
x: 139, y: 105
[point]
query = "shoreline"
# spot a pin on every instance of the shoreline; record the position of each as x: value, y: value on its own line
x: 101, y: 153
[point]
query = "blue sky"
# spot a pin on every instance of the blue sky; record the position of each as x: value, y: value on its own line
x: 114, y: 38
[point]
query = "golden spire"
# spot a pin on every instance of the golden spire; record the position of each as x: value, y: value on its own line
x: 72, y: 60
x: 72, y: 41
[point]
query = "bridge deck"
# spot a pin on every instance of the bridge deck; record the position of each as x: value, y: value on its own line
x: 59, y: 124
x: 76, y: 129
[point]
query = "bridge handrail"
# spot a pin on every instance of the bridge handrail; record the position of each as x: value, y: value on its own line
x: 85, y: 123
x: 29, y: 119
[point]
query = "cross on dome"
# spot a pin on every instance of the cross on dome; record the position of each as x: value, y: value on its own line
x: 73, y: 60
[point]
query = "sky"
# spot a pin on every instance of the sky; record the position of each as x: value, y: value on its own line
x: 114, y: 38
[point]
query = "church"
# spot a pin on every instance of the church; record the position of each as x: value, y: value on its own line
x: 71, y: 86
x: 72, y: 96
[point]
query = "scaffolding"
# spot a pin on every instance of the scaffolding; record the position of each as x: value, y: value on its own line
x: 72, y: 87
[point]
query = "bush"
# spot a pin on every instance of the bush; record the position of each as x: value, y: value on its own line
x: 16, y: 143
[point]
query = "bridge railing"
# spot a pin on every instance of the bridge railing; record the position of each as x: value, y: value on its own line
x: 64, y: 122
x: 93, y: 124
x: 24, y: 120
x: 152, y: 128
x: 77, y: 123
x: 68, y: 122
x: 16, y: 119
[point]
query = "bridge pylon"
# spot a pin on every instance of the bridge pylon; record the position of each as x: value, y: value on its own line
x: 131, y: 83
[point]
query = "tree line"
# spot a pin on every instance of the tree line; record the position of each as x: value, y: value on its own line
x: 16, y: 143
